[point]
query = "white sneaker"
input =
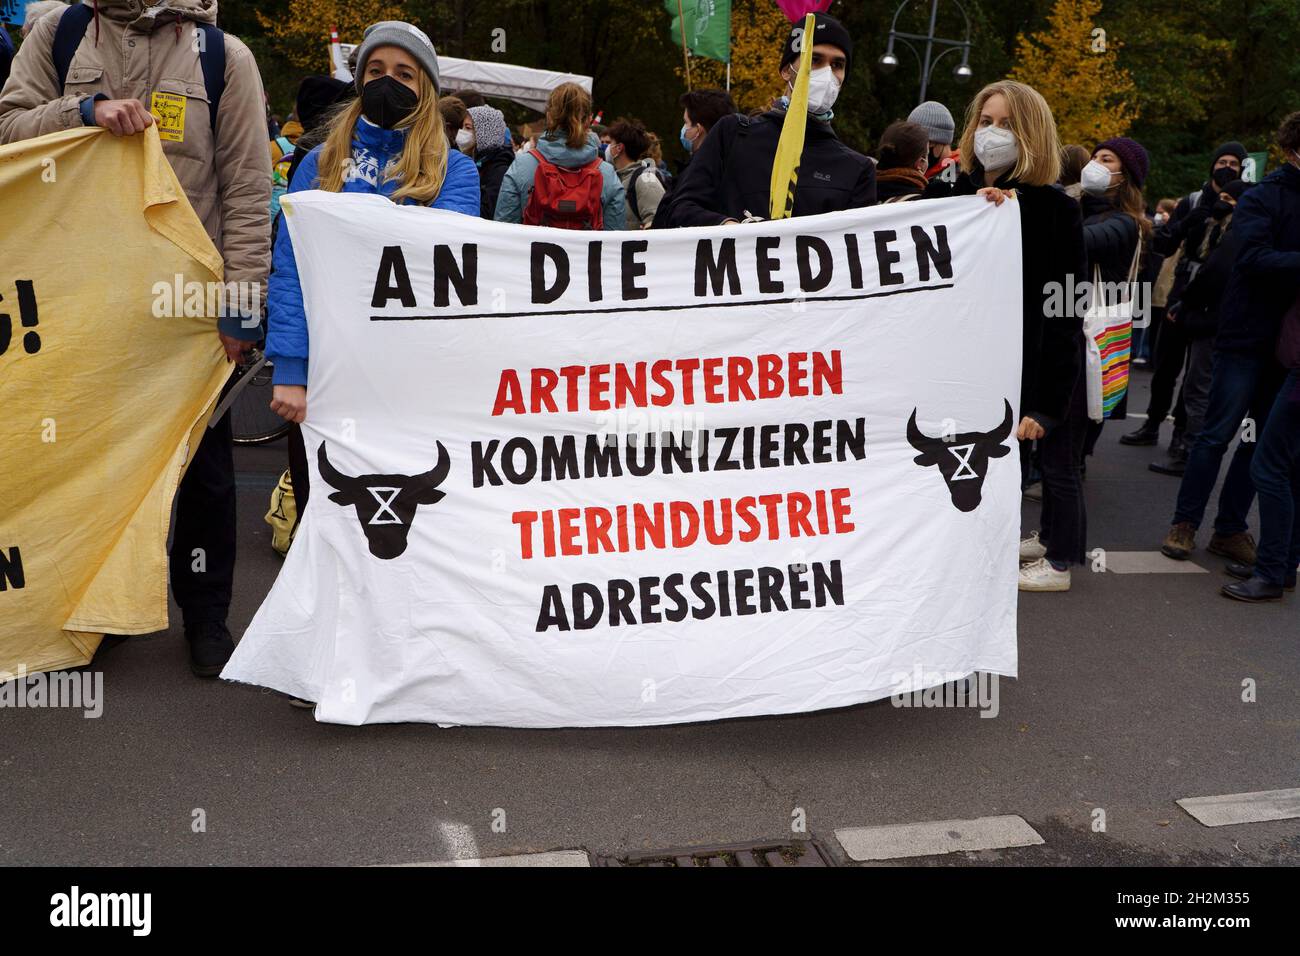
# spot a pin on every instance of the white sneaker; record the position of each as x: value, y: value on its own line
x: 1041, y: 576
x: 1031, y: 549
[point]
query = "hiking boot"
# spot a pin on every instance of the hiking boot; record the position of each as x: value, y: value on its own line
x: 1041, y: 576
x: 1180, y: 542
x: 1239, y: 547
x: 1254, y: 591
x: 210, y: 647
x: 1148, y: 434
x: 1031, y: 549
x: 1244, y: 572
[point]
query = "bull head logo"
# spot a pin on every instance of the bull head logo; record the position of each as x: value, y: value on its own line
x: 385, y: 504
x: 964, y: 460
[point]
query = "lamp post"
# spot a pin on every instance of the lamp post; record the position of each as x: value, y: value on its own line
x: 889, y: 61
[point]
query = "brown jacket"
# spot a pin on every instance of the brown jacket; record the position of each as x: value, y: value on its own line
x: 130, y: 53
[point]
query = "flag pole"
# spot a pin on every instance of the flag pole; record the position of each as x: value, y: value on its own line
x: 686, y: 53
x: 728, y: 76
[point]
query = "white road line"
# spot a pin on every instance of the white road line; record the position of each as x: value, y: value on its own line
x: 1233, y: 808
x: 1148, y: 562
x: 935, y: 838
x: 553, y: 858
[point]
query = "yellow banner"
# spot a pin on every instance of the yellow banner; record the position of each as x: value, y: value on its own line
x: 789, y: 148
x: 107, y: 370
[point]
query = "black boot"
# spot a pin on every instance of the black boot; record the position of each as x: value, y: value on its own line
x: 1148, y: 434
x: 1175, y: 463
x: 1254, y: 591
x: 210, y: 647
x: 1244, y: 572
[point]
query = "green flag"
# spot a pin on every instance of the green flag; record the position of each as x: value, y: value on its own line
x: 707, y: 26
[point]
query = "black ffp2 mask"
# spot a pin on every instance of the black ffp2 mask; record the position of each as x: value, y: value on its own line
x: 386, y: 102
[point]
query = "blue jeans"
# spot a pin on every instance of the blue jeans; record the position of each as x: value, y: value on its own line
x: 1276, y: 470
x: 1240, y: 385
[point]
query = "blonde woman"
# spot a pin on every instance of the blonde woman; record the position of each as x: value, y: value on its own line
x: 1011, y: 143
x: 390, y: 140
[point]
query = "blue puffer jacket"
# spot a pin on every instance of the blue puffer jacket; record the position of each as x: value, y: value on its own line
x: 372, y: 149
x: 517, y: 185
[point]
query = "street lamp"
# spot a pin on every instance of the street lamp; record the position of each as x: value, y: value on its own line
x: 889, y: 61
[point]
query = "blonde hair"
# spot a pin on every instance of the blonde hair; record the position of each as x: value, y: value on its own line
x: 422, y: 165
x: 1031, y: 121
x: 568, y: 114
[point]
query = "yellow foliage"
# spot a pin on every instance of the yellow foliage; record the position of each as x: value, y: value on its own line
x: 302, y: 36
x: 757, y: 32
x: 1074, y: 65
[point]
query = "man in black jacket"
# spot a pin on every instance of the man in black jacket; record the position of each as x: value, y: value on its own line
x: 1184, y: 230
x: 1264, y: 283
x: 730, y: 175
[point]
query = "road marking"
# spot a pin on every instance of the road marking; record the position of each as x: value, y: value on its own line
x: 935, y: 838
x: 1233, y: 808
x: 1148, y: 562
x: 554, y: 858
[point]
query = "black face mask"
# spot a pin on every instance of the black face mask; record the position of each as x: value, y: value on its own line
x: 1221, y: 209
x: 1224, y: 176
x: 386, y: 102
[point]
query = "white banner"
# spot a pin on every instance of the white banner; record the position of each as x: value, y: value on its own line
x: 586, y: 479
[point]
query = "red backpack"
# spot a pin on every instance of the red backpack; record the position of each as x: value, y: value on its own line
x: 566, y: 198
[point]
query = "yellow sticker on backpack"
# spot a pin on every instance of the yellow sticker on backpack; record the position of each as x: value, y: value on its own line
x: 168, y: 111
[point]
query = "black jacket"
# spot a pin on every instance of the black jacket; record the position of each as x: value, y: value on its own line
x: 1198, y: 310
x: 1186, y: 227
x: 1265, y: 276
x: 1110, y: 238
x: 492, y: 167
x: 731, y: 173
x: 1052, y: 252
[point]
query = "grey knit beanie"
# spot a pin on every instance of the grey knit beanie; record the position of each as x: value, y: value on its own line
x: 936, y: 119
x: 405, y: 35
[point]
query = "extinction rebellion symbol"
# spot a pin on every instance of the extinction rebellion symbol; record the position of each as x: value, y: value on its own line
x: 385, y: 504
x: 963, y: 459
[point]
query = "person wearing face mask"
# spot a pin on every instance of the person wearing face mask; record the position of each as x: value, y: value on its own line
x: 643, y: 184
x: 492, y: 155
x: 1179, y: 239
x: 390, y: 140
x: 1264, y: 285
x: 901, y: 161
x: 730, y: 174
x: 1011, y: 143
x: 943, y: 162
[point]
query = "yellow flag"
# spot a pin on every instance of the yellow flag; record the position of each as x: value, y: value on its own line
x: 789, y: 149
x: 108, y: 365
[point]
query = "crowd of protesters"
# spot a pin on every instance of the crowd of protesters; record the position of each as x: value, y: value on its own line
x: 1222, y: 264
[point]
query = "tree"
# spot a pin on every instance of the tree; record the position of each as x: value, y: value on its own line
x: 757, y: 31
x: 1074, y: 65
x: 302, y: 34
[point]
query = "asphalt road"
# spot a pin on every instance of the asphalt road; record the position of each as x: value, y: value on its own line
x: 1129, y: 698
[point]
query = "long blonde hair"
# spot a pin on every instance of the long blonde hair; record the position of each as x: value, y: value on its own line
x: 419, y: 170
x: 1031, y: 121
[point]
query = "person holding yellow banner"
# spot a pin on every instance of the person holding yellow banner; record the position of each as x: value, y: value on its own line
x: 730, y: 177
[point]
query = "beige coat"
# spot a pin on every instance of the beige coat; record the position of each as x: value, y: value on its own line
x: 138, y: 53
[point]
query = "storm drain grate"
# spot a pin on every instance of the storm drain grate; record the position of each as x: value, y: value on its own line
x: 761, y: 854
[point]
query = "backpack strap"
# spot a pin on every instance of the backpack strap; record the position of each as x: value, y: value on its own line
x: 631, y: 191
x: 67, y: 37
x: 213, y: 63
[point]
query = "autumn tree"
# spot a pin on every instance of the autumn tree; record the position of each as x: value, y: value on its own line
x: 302, y: 34
x: 1073, y: 63
x: 757, y: 31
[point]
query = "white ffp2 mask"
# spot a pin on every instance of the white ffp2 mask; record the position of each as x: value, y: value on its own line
x: 1095, y: 179
x: 823, y: 89
x: 996, y: 148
